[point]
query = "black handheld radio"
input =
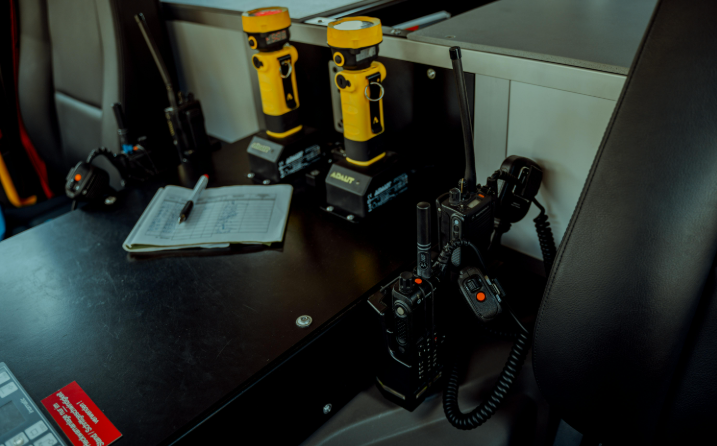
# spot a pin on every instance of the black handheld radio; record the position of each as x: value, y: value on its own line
x: 467, y: 216
x: 411, y: 358
x: 184, y: 116
x: 467, y: 211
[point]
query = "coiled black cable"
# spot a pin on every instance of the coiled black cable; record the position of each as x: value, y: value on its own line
x: 500, y: 334
x: 518, y: 353
x: 483, y: 412
x: 446, y: 253
x: 545, y: 237
x: 501, y: 226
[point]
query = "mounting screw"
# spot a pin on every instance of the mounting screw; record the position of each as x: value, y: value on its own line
x: 327, y: 409
x: 330, y: 208
x: 109, y: 201
x: 350, y: 218
x: 450, y: 37
x: 303, y: 321
x: 250, y: 175
x: 265, y: 182
x: 315, y: 172
x: 431, y: 73
x: 122, y: 183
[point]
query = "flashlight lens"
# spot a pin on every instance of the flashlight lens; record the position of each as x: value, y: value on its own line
x: 352, y: 25
x: 265, y: 12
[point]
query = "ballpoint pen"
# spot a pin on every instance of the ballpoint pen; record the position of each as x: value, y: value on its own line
x: 198, y: 189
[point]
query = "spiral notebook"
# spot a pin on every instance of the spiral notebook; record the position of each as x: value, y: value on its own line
x: 221, y: 216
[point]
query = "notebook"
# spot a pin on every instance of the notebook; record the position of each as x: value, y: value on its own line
x: 222, y: 216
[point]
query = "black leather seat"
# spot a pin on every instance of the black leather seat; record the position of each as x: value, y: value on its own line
x: 77, y: 58
x: 626, y: 337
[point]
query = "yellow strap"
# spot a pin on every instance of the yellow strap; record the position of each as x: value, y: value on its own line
x: 10, y: 190
x: 366, y: 163
x: 285, y: 134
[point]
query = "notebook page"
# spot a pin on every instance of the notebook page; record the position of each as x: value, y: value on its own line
x: 232, y: 214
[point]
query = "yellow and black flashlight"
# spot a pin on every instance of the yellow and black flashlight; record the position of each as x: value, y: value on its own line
x: 354, y: 46
x: 368, y: 177
x: 268, y: 32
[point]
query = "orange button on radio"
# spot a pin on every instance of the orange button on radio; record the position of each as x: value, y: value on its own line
x: 480, y: 296
x: 78, y: 177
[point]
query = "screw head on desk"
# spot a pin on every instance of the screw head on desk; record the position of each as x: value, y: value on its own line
x: 109, y: 201
x: 431, y: 73
x: 265, y: 182
x: 303, y: 321
x: 327, y: 409
x: 250, y: 175
x: 330, y: 208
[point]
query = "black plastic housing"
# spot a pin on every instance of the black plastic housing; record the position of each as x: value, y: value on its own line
x: 278, y: 160
x: 186, y: 125
x: 271, y: 41
x: 360, y: 190
x: 354, y: 58
x: 94, y: 182
x: 411, y: 357
x: 513, y: 201
x: 479, y: 293
x: 467, y: 216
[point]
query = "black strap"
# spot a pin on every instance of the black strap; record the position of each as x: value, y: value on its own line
x: 285, y: 67
x: 375, y: 106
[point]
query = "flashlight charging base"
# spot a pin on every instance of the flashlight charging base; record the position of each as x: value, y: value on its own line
x: 282, y: 160
x: 355, y: 192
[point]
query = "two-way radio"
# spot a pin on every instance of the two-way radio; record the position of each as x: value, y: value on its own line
x: 466, y: 212
x: 411, y: 354
x: 467, y: 216
x: 184, y: 117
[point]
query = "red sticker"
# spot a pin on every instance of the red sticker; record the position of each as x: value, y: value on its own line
x: 80, y: 419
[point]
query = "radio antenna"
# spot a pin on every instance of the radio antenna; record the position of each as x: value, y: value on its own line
x: 469, y: 176
x: 423, y: 240
x: 157, y: 56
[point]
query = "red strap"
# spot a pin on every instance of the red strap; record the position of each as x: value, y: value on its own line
x: 35, y: 159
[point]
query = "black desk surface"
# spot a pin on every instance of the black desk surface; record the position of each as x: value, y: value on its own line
x: 156, y: 340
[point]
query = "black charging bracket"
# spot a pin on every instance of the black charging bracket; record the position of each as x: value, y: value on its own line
x: 281, y: 160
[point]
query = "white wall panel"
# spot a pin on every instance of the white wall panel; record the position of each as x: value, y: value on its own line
x: 562, y: 132
x: 490, y: 128
x: 214, y: 65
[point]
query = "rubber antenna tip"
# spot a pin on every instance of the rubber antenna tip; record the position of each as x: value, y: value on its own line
x: 455, y: 52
